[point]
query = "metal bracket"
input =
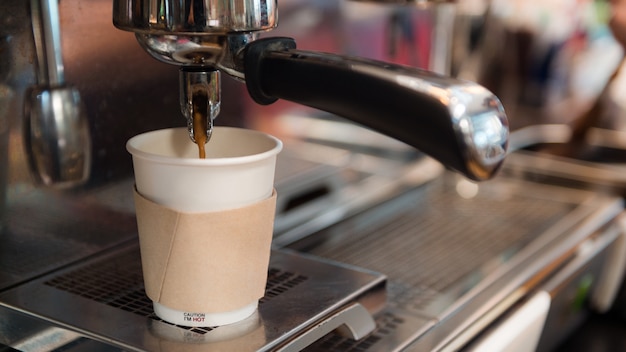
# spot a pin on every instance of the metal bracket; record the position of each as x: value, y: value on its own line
x: 353, y: 321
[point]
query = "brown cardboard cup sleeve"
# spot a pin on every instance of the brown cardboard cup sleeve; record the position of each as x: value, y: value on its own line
x: 208, y: 262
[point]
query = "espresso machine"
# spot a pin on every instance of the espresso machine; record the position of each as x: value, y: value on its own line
x: 383, y: 242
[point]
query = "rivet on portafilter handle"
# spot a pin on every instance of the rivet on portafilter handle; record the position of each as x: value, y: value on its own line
x: 56, y: 130
x: 459, y: 123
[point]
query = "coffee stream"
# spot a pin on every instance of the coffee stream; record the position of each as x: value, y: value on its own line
x: 200, y: 122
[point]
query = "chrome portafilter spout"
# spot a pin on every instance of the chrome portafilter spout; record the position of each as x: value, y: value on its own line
x: 199, y: 101
x: 459, y: 123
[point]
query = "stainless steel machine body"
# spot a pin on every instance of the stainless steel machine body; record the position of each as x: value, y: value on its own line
x: 449, y: 274
x: 376, y: 247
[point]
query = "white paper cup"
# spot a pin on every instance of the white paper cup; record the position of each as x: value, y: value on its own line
x: 238, y: 171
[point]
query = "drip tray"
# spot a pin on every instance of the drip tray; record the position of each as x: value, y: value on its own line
x: 104, y: 299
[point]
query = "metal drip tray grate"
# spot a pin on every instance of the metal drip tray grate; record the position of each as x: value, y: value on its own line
x: 278, y: 282
x: 435, y: 245
x: 433, y: 239
x: 107, y: 293
x: 451, y: 248
x: 119, y: 284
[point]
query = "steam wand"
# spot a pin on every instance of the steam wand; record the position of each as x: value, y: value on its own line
x: 56, y: 131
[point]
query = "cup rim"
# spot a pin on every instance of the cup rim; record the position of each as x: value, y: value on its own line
x: 136, y: 152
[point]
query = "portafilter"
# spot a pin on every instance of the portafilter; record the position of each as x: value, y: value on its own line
x: 459, y: 123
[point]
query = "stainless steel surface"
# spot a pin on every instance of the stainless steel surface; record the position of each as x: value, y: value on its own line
x: 598, y: 165
x: 572, y: 293
x: 56, y: 136
x: 571, y: 288
x: 56, y: 128
x: 188, y: 17
x: 456, y: 254
x: 22, y: 332
x: 47, y: 230
x: 460, y: 262
x: 108, y: 304
x: 355, y: 322
x: 323, y: 185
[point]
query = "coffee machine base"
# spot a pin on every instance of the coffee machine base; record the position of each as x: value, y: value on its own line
x: 103, y: 301
x: 457, y: 259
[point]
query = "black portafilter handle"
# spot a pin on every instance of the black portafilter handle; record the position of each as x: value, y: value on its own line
x: 459, y: 123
